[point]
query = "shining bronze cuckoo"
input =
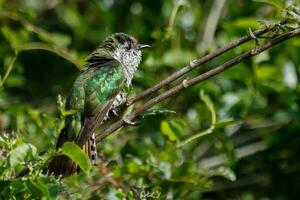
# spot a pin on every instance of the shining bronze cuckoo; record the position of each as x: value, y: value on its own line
x: 98, y: 90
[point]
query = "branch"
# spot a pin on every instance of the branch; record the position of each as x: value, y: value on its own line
x: 60, y: 51
x: 194, y: 64
x: 54, y: 45
x: 190, y: 82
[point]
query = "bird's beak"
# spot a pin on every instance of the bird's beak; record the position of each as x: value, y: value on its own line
x: 142, y: 46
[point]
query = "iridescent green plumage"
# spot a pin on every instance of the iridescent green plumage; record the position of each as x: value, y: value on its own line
x: 94, y: 92
x: 92, y: 89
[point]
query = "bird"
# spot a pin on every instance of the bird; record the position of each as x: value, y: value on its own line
x: 99, y: 89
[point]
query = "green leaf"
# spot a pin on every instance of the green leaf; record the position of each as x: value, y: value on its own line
x: 77, y: 155
x: 262, y: 57
x: 275, y: 3
x: 16, y: 39
x: 246, y: 23
x: 21, y: 153
x: 38, y: 188
x: 53, y: 190
x: 15, y: 184
x: 15, y: 80
x: 62, y: 39
x: 66, y: 113
x: 266, y: 72
x: 158, y: 111
x: 43, y: 188
x: 166, y: 129
x: 223, y: 123
x: 224, y: 172
x: 178, y: 57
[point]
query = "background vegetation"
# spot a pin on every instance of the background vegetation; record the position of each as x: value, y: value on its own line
x: 253, y: 153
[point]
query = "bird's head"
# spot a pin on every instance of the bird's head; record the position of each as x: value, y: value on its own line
x: 124, y: 48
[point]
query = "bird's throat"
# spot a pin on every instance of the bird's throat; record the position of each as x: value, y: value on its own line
x: 130, y: 61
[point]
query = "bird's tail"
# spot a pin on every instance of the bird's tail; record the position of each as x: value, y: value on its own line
x: 93, y: 154
x: 63, y: 166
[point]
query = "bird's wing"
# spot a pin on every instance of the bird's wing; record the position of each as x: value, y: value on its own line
x: 98, y: 61
x: 92, y: 96
x: 91, y: 123
x: 101, y: 90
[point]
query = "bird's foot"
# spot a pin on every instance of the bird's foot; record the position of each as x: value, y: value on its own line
x: 129, y: 122
x: 114, y: 111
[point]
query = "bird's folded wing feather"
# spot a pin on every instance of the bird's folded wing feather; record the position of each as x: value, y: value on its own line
x: 91, y: 123
x: 92, y: 96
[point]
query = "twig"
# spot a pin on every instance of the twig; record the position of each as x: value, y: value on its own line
x: 53, y: 47
x: 62, y: 52
x: 208, y: 103
x: 193, y: 64
x: 190, y: 82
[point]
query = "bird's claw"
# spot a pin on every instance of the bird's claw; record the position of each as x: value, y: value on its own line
x: 129, y: 122
x: 115, y: 112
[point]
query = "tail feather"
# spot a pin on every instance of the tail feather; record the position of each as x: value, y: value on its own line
x: 93, y: 151
x: 64, y: 166
x: 61, y: 166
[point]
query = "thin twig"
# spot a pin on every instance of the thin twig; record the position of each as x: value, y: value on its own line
x: 192, y: 65
x: 53, y: 47
x: 62, y: 52
x: 208, y: 103
x: 190, y: 82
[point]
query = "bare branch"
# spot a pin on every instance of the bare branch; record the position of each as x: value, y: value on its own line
x: 190, y: 82
x: 193, y: 64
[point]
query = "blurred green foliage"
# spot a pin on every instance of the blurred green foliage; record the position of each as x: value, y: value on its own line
x: 244, y: 127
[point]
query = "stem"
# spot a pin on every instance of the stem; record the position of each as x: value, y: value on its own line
x: 209, y: 105
x: 9, y: 69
